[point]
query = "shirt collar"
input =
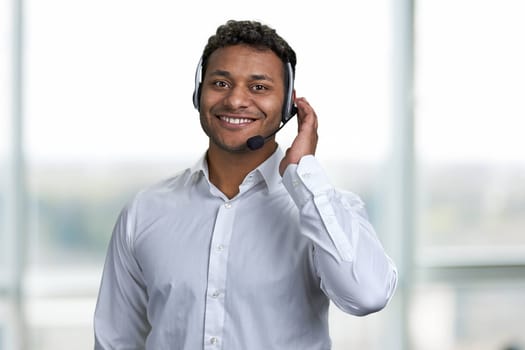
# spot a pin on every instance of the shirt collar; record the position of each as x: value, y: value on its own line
x: 269, y: 169
x: 198, y: 169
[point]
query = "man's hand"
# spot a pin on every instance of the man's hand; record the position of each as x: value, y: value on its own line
x: 306, y: 140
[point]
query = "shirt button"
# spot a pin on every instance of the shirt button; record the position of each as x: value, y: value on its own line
x: 216, y: 294
x: 220, y: 248
x: 227, y: 205
x: 214, y: 340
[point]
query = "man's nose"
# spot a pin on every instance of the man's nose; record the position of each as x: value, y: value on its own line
x: 238, y: 97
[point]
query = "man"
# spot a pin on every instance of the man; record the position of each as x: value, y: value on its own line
x: 246, y: 249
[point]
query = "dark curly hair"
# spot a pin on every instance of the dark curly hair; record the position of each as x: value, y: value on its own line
x: 251, y: 33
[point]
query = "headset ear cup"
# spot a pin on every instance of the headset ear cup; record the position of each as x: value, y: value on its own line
x: 197, y: 97
x: 294, y: 110
x: 197, y: 89
x: 289, y: 109
x: 287, y: 117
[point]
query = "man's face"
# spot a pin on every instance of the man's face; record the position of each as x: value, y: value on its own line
x: 242, y: 96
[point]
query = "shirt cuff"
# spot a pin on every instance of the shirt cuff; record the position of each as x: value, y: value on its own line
x: 305, y: 180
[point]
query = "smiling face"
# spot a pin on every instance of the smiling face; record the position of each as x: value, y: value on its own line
x: 242, y: 96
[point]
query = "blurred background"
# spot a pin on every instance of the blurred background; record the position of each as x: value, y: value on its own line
x: 421, y: 106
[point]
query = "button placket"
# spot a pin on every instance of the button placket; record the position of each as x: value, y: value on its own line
x: 217, y: 265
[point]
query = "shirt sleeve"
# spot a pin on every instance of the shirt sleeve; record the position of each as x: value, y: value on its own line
x: 355, y: 272
x: 120, y: 316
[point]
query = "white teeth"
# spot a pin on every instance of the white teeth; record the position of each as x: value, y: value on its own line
x: 236, y: 120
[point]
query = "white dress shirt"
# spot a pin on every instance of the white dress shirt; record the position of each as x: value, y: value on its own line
x: 187, y: 268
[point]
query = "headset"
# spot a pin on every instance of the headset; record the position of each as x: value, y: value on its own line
x: 289, y: 109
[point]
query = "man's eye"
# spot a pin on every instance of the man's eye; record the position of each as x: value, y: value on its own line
x: 220, y: 84
x: 259, y: 87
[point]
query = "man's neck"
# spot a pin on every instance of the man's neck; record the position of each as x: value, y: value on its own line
x: 227, y: 170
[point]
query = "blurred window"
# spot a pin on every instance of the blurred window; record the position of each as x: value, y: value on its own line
x: 470, y: 83
x: 469, y: 316
x: 469, y: 107
x: 5, y: 137
x: 108, y: 111
x: 5, y: 125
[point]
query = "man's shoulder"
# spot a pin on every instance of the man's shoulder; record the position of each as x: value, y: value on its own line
x: 168, y: 185
x: 163, y: 190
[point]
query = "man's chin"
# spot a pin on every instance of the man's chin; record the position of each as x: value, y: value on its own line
x: 238, y: 148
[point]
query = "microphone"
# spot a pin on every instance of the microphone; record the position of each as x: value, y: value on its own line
x: 256, y: 142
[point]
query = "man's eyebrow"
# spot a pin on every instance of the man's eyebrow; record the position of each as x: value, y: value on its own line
x: 224, y: 73
x: 261, y: 77
x: 221, y: 73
